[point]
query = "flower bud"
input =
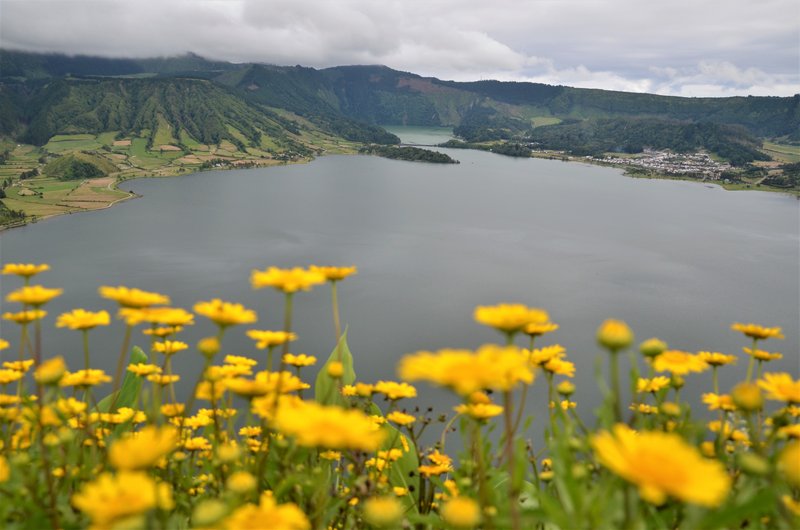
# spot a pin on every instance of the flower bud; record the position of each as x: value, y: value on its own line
x: 747, y: 397
x: 566, y: 388
x: 753, y: 464
x: 614, y: 335
x: 51, y: 371
x: 209, y: 346
x: 653, y: 347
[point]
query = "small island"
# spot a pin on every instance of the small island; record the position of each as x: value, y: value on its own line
x: 411, y: 154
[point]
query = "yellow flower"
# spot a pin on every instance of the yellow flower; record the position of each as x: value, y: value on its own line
x: 81, y: 319
x: 614, y: 335
x: 359, y: 389
x: 440, y: 463
x: 758, y: 332
x: 299, y: 360
x: 142, y: 369
x: 26, y: 270
x: 8, y: 399
x: 716, y: 358
x: 239, y: 360
x: 490, y: 367
x: 762, y: 355
x: 111, y: 498
x: 394, y: 390
x: 85, y: 378
x: 268, y: 515
x: 5, y: 471
x: 10, y: 376
x: 127, y: 297
x: 50, y: 371
x: 678, y: 362
x: 163, y: 316
x: 143, y: 449
x: 536, y: 329
x: 19, y: 366
x: 163, y: 331
x: 718, y: 401
x: 661, y: 465
x: 286, y: 280
x: 565, y: 404
x: 510, y: 318
x: 225, y: 313
x: 558, y: 366
x: 790, y: 431
x: 789, y: 463
x: 25, y: 317
x: 335, y: 369
x: 33, y: 295
x: 163, y: 380
x: 172, y: 409
x: 644, y: 408
x: 401, y: 418
x: 781, y: 387
x: 169, y: 347
x: 241, y: 482
x: 461, y: 512
x: 383, y: 512
x: 792, y: 505
x: 210, y: 391
x: 268, y: 339
x: 334, y: 274
x: 197, y: 443
x: 4, y: 344
x: 540, y: 356
x: 652, y: 385
x: 329, y: 427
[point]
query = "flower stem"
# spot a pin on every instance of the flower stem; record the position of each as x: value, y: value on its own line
x: 86, y: 348
x: 615, y: 392
x: 120, y: 366
x: 512, y: 490
x: 287, y: 320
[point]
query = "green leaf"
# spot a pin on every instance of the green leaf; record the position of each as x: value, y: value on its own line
x: 131, y: 385
x: 326, y: 388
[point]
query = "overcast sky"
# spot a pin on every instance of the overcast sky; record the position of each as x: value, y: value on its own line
x: 679, y: 47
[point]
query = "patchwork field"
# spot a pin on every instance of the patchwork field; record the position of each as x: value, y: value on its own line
x: 39, y: 195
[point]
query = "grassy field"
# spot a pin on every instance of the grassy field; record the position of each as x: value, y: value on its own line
x: 781, y: 152
x: 540, y: 121
x: 129, y: 157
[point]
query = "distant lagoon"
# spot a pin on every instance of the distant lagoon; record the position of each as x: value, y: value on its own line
x: 677, y: 260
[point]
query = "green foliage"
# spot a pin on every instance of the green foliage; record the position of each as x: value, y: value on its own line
x: 412, y: 154
x: 327, y: 389
x: 597, y: 136
x: 78, y: 166
x: 131, y: 386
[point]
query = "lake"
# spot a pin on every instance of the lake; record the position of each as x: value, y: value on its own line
x: 677, y: 260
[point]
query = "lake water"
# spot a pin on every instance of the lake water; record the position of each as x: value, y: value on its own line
x: 677, y: 260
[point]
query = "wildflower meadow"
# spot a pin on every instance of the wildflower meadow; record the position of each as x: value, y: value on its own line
x: 260, y: 443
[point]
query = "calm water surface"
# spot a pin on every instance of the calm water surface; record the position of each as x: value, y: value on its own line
x: 677, y: 260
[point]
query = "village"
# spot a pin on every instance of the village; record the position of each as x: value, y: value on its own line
x: 698, y: 164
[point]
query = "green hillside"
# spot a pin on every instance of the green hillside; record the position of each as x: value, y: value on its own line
x: 158, y: 109
x: 78, y: 166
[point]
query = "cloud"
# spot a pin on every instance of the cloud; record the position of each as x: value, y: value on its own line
x: 677, y: 47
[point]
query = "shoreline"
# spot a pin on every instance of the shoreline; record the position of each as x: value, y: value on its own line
x: 561, y: 157
x: 628, y: 172
x: 114, y: 186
